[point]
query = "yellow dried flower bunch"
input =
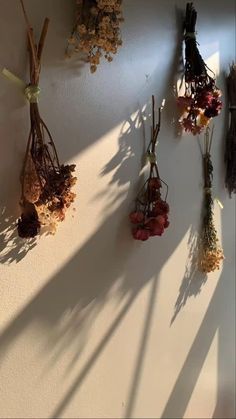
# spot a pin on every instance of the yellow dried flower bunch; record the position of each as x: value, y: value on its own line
x: 97, y: 30
x: 211, y: 260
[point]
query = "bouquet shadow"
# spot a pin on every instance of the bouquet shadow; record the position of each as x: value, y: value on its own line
x: 12, y: 248
x: 108, y: 264
x: 193, y: 280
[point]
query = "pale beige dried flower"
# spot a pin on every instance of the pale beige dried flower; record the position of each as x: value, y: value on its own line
x: 97, y: 30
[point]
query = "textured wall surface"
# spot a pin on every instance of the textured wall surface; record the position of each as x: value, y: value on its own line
x: 93, y: 324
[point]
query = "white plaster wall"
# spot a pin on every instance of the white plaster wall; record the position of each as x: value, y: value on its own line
x: 85, y: 316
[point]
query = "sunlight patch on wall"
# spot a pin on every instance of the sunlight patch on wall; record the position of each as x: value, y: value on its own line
x: 203, y: 400
x: 213, y: 62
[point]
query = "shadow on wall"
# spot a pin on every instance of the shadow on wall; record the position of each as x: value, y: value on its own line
x: 193, y: 280
x: 75, y: 292
x: 12, y: 248
x: 217, y: 320
x: 74, y: 289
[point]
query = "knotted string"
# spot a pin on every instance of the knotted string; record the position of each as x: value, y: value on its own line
x: 31, y: 92
x: 190, y: 35
x: 151, y: 157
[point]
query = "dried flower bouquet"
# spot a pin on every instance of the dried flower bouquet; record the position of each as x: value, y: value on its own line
x: 201, y: 100
x: 97, y: 30
x: 46, y: 184
x: 230, y: 154
x: 150, y: 217
x: 211, y: 254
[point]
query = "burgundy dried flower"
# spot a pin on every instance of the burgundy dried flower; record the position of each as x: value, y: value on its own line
x: 201, y: 94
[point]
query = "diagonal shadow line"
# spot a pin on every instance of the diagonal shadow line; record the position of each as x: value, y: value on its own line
x: 225, y: 403
x: 93, y: 358
x: 189, y: 374
x: 226, y: 395
x: 142, y: 350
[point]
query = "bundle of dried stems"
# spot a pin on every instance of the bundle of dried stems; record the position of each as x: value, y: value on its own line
x: 150, y: 217
x: 46, y: 184
x: 230, y: 154
x: 201, y: 100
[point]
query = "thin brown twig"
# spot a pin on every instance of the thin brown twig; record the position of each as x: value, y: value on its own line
x: 42, y: 39
x: 31, y: 39
x: 51, y: 141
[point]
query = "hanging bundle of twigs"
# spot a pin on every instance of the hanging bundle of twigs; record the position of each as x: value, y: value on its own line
x: 230, y: 153
x: 46, y: 184
x: 211, y: 254
x: 150, y: 217
x: 201, y: 100
x: 97, y: 30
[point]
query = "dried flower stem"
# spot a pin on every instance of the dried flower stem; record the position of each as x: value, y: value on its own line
x: 230, y: 152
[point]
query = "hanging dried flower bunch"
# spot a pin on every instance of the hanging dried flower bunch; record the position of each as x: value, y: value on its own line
x: 150, y: 217
x: 46, y: 184
x: 97, y: 30
x: 230, y: 154
x: 211, y: 254
x: 201, y: 101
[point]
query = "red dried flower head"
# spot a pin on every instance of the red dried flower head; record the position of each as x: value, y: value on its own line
x: 154, y: 183
x: 162, y: 208
x: 161, y: 219
x: 141, y: 234
x: 136, y: 217
x: 184, y: 102
x: 156, y: 229
x: 188, y: 124
x: 204, y: 99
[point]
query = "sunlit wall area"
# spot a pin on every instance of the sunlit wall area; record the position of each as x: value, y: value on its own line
x: 92, y: 323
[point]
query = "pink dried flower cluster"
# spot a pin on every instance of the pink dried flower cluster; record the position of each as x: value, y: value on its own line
x: 150, y: 217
